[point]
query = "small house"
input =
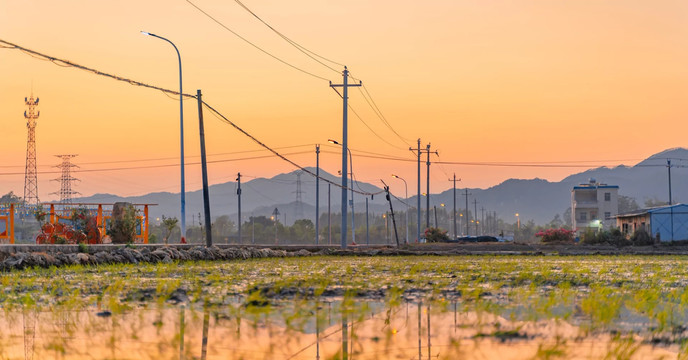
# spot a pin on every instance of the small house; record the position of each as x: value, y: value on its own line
x: 665, y: 223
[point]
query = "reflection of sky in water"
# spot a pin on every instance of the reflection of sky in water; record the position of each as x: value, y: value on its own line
x: 295, y: 330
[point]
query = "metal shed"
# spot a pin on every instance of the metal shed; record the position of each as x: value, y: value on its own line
x: 669, y: 223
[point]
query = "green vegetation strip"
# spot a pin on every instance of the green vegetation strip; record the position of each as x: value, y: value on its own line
x: 628, y: 294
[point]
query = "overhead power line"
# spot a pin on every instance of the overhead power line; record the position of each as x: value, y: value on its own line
x: 215, y: 113
x: 366, y: 124
x: 160, y: 166
x: 254, y: 45
x: 314, y: 56
x: 302, y: 49
x: 219, y: 115
x: 379, y: 113
x: 67, y: 63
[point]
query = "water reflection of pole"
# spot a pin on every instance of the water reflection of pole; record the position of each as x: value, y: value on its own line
x: 454, y: 317
x: 420, y: 354
x: 206, y: 323
x: 317, y: 333
x: 181, y: 333
x: 345, y: 336
x: 428, y: 309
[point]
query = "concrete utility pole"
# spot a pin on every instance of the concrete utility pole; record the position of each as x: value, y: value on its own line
x: 407, y: 207
x: 427, y: 200
x: 669, y: 169
x: 468, y: 220
x: 418, y: 200
x: 391, y: 210
x: 239, y: 205
x: 345, y: 142
x: 670, y: 200
x: 317, y: 193
x: 475, y: 215
x: 329, y: 216
x: 367, y: 224
x: 427, y: 191
x: 482, y: 220
x: 204, y: 174
x: 455, y: 180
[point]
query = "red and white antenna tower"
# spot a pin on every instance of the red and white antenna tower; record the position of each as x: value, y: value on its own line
x: 66, y: 179
x: 30, y: 174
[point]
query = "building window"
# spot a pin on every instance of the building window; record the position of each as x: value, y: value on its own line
x: 607, y: 196
x: 593, y: 215
x: 607, y: 215
x: 624, y: 228
x: 642, y: 226
x: 583, y: 216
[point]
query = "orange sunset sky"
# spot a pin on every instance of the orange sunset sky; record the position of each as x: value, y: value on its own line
x: 593, y: 82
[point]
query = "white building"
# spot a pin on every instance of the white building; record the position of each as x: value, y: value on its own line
x: 594, y: 205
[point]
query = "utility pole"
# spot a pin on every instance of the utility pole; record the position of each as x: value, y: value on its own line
x: 239, y: 197
x: 482, y: 220
x: 391, y: 209
x: 367, y: 224
x: 427, y: 199
x: 475, y: 215
x: 329, y: 216
x: 317, y: 193
x: 467, y: 217
x: 669, y: 169
x: 345, y: 141
x: 434, y: 208
x: 418, y: 200
x: 455, y: 180
x: 204, y: 171
x: 671, y: 209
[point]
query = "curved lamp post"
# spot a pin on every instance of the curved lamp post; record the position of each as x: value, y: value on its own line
x: 181, y: 135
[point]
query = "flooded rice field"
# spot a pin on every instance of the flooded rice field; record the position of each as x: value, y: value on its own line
x: 415, y: 307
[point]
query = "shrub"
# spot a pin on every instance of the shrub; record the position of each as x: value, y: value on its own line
x: 641, y: 238
x: 612, y: 237
x: 122, y: 226
x: 556, y: 235
x: 433, y: 234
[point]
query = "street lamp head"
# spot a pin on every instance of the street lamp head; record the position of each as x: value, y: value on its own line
x: 333, y: 141
x: 395, y: 176
x: 145, y: 33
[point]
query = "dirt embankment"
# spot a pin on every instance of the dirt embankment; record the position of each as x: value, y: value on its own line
x: 20, y: 257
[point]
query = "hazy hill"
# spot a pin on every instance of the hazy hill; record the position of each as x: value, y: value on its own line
x: 534, y: 199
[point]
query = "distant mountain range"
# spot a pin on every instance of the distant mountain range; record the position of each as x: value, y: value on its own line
x: 535, y: 199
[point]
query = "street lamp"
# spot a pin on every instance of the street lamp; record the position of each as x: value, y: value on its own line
x: 518, y: 221
x: 181, y: 135
x: 275, y: 218
x: 351, y: 173
x: 407, y: 207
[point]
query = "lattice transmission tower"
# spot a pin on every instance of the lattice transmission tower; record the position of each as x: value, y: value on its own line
x: 299, y: 199
x: 66, y: 179
x: 30, y: 174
